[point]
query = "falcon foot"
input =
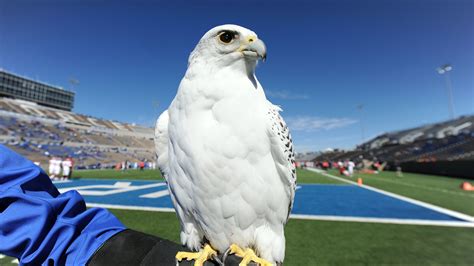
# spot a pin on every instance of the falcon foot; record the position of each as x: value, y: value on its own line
x: 247, y: 256
x: 199, y: 257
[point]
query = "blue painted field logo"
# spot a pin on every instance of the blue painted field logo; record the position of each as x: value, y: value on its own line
x: 116, y: 188
x: 312, y: 201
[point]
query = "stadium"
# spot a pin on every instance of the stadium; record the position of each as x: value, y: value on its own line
x: 444, y: 148
x: 401, y: 197
x: 39, y: 129
x: 432, y: 208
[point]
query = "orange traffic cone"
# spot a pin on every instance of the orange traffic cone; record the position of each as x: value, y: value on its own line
x: 359, y: 181
x: 467, y: 186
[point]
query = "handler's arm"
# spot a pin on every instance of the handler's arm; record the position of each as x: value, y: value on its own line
x: 38, y: 225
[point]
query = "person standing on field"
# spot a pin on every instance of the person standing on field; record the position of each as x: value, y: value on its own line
x: 350, y: 167
x: 67, y: 167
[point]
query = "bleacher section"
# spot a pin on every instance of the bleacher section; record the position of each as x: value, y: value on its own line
x: 447, y: 141
x: 39, y: 132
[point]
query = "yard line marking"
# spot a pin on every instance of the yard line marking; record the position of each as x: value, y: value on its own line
x: 61, y: 181
x: 308, y: 217
x: 452, y: 213
x: 381, y: 220
x: 122, y: 184
x: 157, y: 194
x: 129, y: 207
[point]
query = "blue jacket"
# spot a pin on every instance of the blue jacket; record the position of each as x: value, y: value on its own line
x: 39, y: 225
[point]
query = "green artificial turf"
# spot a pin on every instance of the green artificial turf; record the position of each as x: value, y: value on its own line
x: 305, y: 176
x: 130, y: 174
x: 438, y: 190
x: 345, y: 243
x: 7, y: 261
x: 163, y: 224
x: 342, y: 243
x: 352, y: 243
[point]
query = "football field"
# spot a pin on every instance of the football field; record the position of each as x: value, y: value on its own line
x: 414, y: 219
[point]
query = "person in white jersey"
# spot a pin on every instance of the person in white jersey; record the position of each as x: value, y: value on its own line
x: 350, y: 167
x: 51, y: 167
x: 55, y: 167
x: 67, y: 164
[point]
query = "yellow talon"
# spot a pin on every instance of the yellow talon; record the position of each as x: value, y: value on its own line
x: 247, y: 256
x: 199, y: 257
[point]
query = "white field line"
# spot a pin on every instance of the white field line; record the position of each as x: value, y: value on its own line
x: 156, y: 195
x: 61, y: 181
x: 309, y: 217
x: 455, y: 214
x: 127, y: 207
x: 381, y: 220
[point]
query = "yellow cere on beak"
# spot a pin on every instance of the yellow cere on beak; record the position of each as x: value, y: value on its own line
x: 251, y: 39
x: 253, y: 45
x: 246, y: 43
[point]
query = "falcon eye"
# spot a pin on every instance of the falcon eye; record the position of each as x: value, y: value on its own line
x: 226, y: 36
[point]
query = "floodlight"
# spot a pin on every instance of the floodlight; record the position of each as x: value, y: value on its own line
x: 444, y: 69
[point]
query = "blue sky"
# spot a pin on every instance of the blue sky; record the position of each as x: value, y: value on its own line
x: 324, y: 58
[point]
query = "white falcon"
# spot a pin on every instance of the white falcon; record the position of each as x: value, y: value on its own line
x: 227, y: 154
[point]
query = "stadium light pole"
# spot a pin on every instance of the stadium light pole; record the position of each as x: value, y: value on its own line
x: 360, y: 107
x: 73, y: 83
x: 444, y: 70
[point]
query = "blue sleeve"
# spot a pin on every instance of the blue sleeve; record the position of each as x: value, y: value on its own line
x: 39, y: 225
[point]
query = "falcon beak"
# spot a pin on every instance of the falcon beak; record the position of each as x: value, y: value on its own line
x: 254, y: 47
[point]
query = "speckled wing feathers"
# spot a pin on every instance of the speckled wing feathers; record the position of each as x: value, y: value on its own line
x: 282, y: 151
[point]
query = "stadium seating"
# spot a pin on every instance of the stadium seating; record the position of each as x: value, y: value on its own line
x: 447, y: 141
x: 39, y: 132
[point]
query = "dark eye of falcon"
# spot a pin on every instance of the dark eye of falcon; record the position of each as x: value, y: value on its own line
x: 226, y: 36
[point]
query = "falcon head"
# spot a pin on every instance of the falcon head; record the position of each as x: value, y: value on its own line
x: 227, y: 44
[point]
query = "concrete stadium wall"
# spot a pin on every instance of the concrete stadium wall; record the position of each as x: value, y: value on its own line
x: 463, y: 169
